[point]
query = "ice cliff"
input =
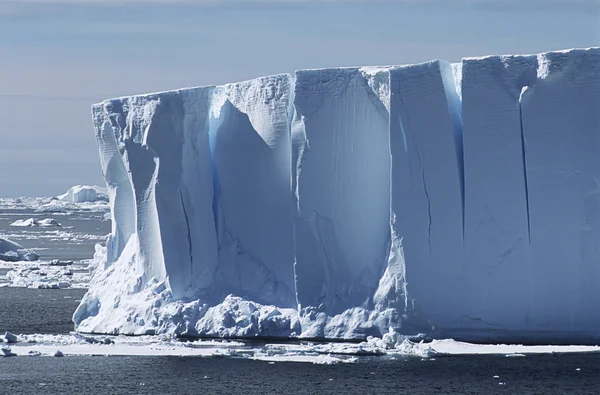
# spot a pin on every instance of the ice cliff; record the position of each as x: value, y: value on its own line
x: 446, y: 199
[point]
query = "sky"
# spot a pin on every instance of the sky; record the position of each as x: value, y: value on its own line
x: 57, y: 57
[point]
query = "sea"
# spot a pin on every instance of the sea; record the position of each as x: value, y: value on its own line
x: 49, y: 311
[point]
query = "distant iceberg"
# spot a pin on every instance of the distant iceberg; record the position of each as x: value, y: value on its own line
x: 84, y: 194
x: 32, y: 222
x: 446, y: 199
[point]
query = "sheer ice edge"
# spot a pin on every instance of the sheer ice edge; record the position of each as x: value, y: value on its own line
x: 446, y: 199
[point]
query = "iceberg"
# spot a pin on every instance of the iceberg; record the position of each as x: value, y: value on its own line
x: 443, y: 199
x: 32, y: 222
x: 14, y: 252
x: 84, y: 194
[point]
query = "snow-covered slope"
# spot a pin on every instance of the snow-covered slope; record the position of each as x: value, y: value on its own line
x: 12, y: 252
x: 448, y: 199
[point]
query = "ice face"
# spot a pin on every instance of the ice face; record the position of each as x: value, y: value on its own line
x: 561, y: 122
x: 253, y: 200
x: 426, y: 193
x: 342, y: 187
x: 447, y: 199
x: 496, y: 202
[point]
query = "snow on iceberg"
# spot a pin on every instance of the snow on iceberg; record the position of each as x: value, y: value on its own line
x: 83, y: 194
x: 13, y: 252
x: 446, y: 199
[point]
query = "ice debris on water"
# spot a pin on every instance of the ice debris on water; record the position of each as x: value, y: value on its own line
x: 10, y: 338
x: 7, y: 352
x: 32, y: 222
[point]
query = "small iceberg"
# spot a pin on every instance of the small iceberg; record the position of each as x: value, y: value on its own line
x: 13, y: 252
x: 32, y: 222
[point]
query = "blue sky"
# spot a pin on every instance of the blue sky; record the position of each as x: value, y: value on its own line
x: 57, y: 57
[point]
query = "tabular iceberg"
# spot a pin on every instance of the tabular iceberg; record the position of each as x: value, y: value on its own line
x: 446, y: 199
x: 83, y: 193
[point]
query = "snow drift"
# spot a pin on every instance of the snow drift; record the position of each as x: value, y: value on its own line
x: 450, y: 199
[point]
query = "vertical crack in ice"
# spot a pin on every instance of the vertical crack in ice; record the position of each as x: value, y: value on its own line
x: 404, y: 138
x: 423, y: 181
x: 214, y: 123
x: 530, y: 299
x: 453, y: 90
x: 403, y: 133
x: 428, y: 209
x: 523, y: 154
x: 189, y: 233
x: 294, y: 169
x: 426, y: 195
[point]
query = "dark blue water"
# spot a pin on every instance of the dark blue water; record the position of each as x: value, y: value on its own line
x: 546, y: 374
x: 25, y: 310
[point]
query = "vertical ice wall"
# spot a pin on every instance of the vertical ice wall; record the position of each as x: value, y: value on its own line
x: 151, y: 132
x: 372, y: 197
x: 426, y: 194
x: 202, y: 178
x: 342, y: 175
x: 194, y: 213
x: 561, y: 125
x: 496, y: 203
x: 254, y: 207
x: 122, y: 203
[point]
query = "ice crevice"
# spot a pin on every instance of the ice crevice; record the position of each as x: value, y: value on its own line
x: 524, y: 148
x: 342, y: 202
x: 427, y: 198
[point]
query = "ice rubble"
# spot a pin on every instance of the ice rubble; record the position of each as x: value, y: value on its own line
x: 449, y: 199
x: 51, y: 205
x: 41, y: 274
x: 13, y: 252
x: 391, y: 346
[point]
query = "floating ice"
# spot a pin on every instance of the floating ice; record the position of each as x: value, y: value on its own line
x: 308, y: 352
x: 32, y: 222
x: 11, y: 252
x: 46, y: 275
